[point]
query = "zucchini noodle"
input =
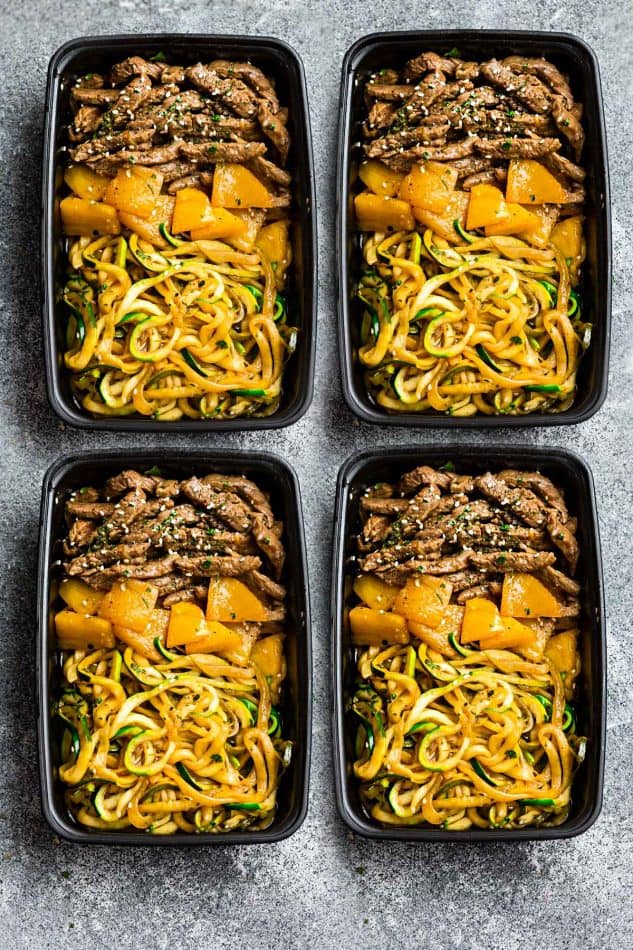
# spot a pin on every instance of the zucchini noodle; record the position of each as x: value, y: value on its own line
x: 491, y: 325
x: 196, y: 330
x: 190, y: 744
x: 483, y: 741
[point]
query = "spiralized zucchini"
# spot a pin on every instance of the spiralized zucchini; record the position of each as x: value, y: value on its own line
x: 491, y: 325
x: 197, y: 330
x: 190, y: 744
x: 483, y: 741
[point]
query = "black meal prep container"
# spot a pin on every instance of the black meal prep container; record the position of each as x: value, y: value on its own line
x: 573, y: 475
x: 284, y: 65
x: 573, y: 56
x: 272, y: 475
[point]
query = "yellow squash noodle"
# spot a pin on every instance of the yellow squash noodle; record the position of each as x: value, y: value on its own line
x: 487, y: 326
x: 195, y: 330
x: 188, y: 744
x: 483, y: 741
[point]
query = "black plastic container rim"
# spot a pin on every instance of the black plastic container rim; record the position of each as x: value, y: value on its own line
x: 402, y: 453
x: 135, y: 838
x: 346, y: 350
x: 74, y: 417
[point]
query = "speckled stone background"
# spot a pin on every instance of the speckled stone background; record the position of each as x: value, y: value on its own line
x: 322, y: 888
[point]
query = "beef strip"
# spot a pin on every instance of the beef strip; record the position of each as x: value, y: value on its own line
x: 398, y: 573
x: 263, y: 584
x: 402, y: 161
x: 148, y: 570
x: 492, y: 176
x: 423, y: 475
x: 375, y: 530
x: 555, y: 578
x: 197, y: 594
x: 491, y: 589
x: 521, y: 502
x: 527, y: 88
x: 226, y: 505
x: 563, y: 538
x: 124, y: 553
x: 127, y: 480
x: 251, y: 75
x: 467, y: 70
x: 540, y: 484
x: 81, y: 533
x: 508, y: 148
x: 211, y: 153
x: 563, y: 166
x: 384, y: 506
x: 504, y: 561
x: 387, y: 556
x: 381, y: 115
x: 236, y: 95
x: 85, y: 122
x: 434, y: 134
x: 428, y: 62
x: 173, y: 75
x: 138, y: 139
x: 91, y: 510
x: 545, y: 71
x: 568, y: 125
x: 267, y: 170
x: 268, y: 541
x: 135, y: 66
x: 94, y: 97
x: 232, y: 565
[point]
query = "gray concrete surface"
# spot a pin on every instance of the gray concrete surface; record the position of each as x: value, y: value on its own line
x: 323, y: 888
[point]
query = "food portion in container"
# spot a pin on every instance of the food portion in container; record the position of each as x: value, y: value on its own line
x: 471, y: 213
x: 177, y: 215
x: 465, y: 624
x: 172, y: 651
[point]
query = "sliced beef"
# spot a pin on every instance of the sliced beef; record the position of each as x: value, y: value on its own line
x: 88, y: 96
x: 489, y: 590
x: 519, y: 501
x: 508, y: 148
x: 268, y: 171
x: 268, y: 541
x: 568, y: 125
x: 546, y: 71
x: 423, y: 475
x: 393, y: 554
x: 127, y: 480
x: 85, y: 122
x: 540, y: 484
x: 557, y: 579
x: 563, y: 166
x: 210, y: 153
x: 429, y: 62
x: 213, y: 565
x: 91, y: 510
x: 563, y: 538
x: 375, y: 529
x: 384, y: 506
x: 526, y: 88
x: 136, y: 66
x: 398, y: 573
x: 249, y: 74
x: 107, y: 144
x: 226, y: 505
x: 263, y: 584
x: 504, y: 561
x: 197, y: 594
x: 402, y: 161
x: 125, y: 553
